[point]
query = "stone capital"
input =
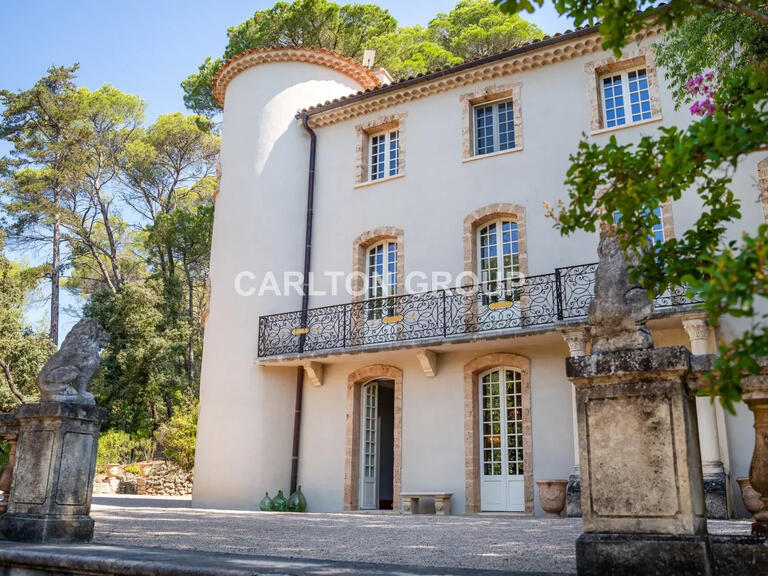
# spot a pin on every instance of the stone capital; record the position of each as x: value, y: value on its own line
x: 577, y: 339
x: 697, y: 328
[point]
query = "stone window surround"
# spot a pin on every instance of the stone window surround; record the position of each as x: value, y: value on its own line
x: 355, y: 382
x: 667, y: 220
x: 360, y: 247
x: 472, y: 460
x: 762, y: 181
x: 485, y: 214
x: 633, y: 57
x: 490, y: 93
x: 363, y: 133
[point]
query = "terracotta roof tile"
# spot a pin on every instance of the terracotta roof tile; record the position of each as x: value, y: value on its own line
x: 426, y: 76
x: 232, y: 67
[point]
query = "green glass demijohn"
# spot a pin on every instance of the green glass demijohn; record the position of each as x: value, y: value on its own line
x: 266, y: 503
x: 279, y: 502
x: 297, y: 502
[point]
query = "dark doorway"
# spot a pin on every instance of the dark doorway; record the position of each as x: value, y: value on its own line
x: 386, y: 414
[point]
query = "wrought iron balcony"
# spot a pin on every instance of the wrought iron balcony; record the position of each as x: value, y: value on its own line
x: 453, y: 314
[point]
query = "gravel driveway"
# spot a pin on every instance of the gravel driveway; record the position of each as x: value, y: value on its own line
x: 489, y: 542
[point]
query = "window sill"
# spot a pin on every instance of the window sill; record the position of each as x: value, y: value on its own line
x: 625, y: 126
x: 491, y: 154
x: 379, y: 181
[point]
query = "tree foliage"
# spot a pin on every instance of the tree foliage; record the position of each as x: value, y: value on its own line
x: 474, y: 28
x: 716, y: 63
x: 39, y: 123
x: 23, y: 350
x: 621, y: 18
x: 131, y: 206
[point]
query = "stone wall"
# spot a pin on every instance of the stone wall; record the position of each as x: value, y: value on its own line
x: 164, y: 479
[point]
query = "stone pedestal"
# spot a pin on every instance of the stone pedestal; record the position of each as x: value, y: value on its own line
x: 640, y: 464
x: 715, y: 495
x: 639, y: 450
x: 573, y: 496
x: 50, y: 497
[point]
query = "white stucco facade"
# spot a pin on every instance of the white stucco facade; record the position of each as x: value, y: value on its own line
x: 247, y: 402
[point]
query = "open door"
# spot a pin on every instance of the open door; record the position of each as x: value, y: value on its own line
x: 369, y: 428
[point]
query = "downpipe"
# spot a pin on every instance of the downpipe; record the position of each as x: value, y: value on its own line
x: 304, y: 299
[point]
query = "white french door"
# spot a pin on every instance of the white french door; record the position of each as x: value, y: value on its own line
x: 381, y: 289
x: 499, y: 269
x: 501, y: 441
x: 369, y: 446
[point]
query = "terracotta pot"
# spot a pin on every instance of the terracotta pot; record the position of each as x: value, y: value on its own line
x: 114, y: 470
x: 552, y: 496
x: 750, y: 496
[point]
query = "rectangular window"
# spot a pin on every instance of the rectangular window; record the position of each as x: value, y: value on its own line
x: 626, y: 98
x: 657, y: 232
x: 384, y: 158
x: 494, y: 127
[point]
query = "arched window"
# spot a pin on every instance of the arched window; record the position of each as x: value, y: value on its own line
x: 498, y: 259
x: 381, y: 278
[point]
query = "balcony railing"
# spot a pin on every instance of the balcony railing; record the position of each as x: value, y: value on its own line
x: 450, y: 314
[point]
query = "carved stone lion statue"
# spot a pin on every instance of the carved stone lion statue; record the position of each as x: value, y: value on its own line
x: 66, y: 375
x: 620, y: 309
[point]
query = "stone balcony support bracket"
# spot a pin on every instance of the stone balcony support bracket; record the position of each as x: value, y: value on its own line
x: 428, y: 361
x: 314, y: 371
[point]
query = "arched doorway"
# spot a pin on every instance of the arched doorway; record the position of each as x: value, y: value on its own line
x: 497, y: 432
x: 373, y: 453
x: 377, y: 419
x: 502, y: 465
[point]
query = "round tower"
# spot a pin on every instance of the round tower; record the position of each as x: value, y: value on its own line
x: 245, y: 425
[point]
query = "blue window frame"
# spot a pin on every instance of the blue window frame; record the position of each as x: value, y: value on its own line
x: 384, y: 160
x: 494, y: 127
x: 626, y: 98
x: 657, y: 232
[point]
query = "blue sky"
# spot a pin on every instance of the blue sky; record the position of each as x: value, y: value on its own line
x: 147, y: 47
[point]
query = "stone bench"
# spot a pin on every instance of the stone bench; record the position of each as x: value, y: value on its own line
x: 410, y: 502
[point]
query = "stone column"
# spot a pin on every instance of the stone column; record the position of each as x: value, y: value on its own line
x: 576, y: 339
x: 53, y: 478
x: 715, y: 485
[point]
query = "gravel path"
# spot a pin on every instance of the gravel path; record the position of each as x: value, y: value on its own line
x: 489, y: 542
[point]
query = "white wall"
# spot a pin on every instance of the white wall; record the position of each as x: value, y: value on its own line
x: 246, y: 413
x: 433, y: 421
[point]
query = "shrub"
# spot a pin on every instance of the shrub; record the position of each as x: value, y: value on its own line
x: 115, y: 447
x: 177, y: 437
x: 144, y: 449
x: 133, y: 469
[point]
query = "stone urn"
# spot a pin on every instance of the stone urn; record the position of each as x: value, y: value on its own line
x: 114, y: 470
x: 552, y: 496
x: 751, y: 497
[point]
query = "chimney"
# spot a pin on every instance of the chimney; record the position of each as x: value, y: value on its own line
x: 368, y: 57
